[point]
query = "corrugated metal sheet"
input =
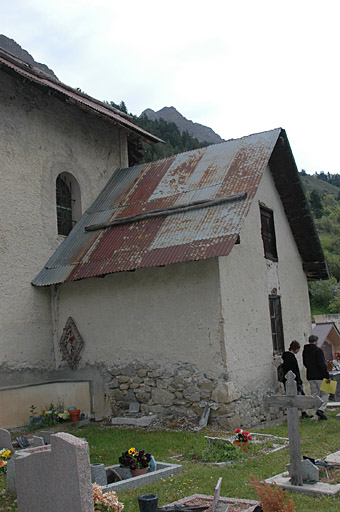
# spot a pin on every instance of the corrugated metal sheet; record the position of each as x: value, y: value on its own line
x: 213, y: 172
x: 217, y: 171
x: 82, y: 100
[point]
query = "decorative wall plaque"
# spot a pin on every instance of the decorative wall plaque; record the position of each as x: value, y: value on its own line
x: 71, y: 344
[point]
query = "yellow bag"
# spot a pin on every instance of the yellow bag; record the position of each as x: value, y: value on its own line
x: 328, y: 388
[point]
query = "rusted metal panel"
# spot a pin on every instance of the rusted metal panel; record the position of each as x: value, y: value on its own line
x: 233, y: 167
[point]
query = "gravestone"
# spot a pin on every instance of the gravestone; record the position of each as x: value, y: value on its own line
x: 5, y: 440
x: 310, y: 472
x: 205, y: 416
x: 98, y: 474
x: 46, y: 435
x: 10, y: 475
x: 134, y: 408
x: 293, y: 402
x: 217, y: 494
x: 55, y: 477
x: 37, y: 441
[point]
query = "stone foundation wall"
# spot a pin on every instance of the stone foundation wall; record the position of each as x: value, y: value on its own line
x: 184, y: 392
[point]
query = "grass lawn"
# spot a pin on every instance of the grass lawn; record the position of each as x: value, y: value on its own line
x: 192, y: 450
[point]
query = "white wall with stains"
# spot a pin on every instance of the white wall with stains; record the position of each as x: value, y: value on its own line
x: 41, y: 136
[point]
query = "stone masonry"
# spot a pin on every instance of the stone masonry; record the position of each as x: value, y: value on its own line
x: 184, y: 392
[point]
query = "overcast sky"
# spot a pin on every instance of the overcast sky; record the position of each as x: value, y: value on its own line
x: 240, y: 66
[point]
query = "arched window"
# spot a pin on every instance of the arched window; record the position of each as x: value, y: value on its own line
x: 68, y: 202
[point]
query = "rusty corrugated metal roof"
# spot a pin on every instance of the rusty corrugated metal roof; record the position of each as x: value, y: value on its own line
x: 83, y: 101
x: 231, y: 168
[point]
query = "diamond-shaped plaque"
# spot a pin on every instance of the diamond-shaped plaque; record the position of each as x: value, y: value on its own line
x: 71, y: 344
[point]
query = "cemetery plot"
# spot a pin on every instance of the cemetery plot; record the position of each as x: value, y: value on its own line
x: 226, y: 504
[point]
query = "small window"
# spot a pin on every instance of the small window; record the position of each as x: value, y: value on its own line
x: 68, y: 203
x: 268, y: 234
x: 276, y: 324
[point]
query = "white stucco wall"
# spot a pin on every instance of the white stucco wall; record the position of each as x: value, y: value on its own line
x: 41, y: 137
x: 169, y: 315
x: 247, y: 279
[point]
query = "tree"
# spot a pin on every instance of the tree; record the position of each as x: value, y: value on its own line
x: 316, y: 204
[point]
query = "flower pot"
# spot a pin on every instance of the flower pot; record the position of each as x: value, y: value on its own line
x: 137, y: 472
x: 148, y: 502
x: 242, y: 444
x: 75, y: 413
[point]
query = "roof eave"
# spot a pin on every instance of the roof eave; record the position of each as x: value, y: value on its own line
x: 287, y: 180
x: 75, y: 96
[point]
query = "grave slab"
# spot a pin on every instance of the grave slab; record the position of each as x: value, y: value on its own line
x: 318, y: 488
x: 333, y: 457
x: 333, y: 405
x: 144, y: 421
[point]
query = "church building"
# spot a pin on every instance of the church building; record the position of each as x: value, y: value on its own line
x: 176, y: 284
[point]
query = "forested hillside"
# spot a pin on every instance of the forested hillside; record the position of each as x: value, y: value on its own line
x: 323, y: 192
x: 174, y: 141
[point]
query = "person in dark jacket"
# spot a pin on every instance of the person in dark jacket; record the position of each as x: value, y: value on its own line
x: 290, y: 364
x: 314, y: 360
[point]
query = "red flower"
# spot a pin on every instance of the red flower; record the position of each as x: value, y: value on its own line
x: 237, y: 431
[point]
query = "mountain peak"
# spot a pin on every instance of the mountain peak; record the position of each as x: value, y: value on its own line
x: 15, y: 49
x: 170, y: 114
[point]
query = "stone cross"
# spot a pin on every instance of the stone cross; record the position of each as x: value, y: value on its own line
x: 293, y: 402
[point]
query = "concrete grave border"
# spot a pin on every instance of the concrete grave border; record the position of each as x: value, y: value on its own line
x: 163, y: 470
x: 208, y: 498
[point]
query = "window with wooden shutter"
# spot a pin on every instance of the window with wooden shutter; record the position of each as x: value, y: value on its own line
x: 268, y: 233
x: 276, y: 324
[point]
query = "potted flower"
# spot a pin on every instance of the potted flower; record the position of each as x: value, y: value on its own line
x: 107, y: 502
x: 5, y: 455
x: 241, y: 438
x: 136, y: 460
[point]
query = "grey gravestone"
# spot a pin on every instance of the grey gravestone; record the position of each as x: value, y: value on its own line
x: 56, y: 477
x: 46, y: 435
x: 5, y: 440
x: 217, y: 493
x: 37, y: 441
x: 134, y: 407
x: 293, y: 402
x: 10, y: 476
x: 98, y: 474
x: 310, y: 472
x: 205, y: 416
